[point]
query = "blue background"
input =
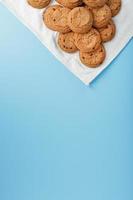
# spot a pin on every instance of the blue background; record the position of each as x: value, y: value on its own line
x: 59, y: 139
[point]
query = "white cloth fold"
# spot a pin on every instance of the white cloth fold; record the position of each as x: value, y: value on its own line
x: 32, y: 18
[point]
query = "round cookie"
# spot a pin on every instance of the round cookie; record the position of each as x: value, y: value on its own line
x: 108, y: 32
x: 88, y: 42
x: 66, y: 42
x: 95, y: 3
x: 70, y: 3
x: 55, y: 18
x: 38, y: 3
x: 80, y: 20
x: 115, y: 6
x: 101, y: 16
x: 93, y: 59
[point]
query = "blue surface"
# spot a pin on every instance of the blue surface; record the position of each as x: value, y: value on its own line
x: 59, y: 139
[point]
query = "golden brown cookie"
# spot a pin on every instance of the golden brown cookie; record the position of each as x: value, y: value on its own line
x: 108, y: 32
x: 70, y: 3
x: 93, y: 59
x: 88, y: 42
x: 39, y: 3
x: 55, y: 18
x: 115, y: 6
x: 80, y: 20
x: 95, y: 3
x: 101, y: 16
x: 66, y: 42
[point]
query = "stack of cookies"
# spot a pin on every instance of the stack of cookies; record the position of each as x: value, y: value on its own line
x: 83, y: 25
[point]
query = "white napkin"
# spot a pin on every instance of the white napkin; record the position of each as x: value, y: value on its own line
x: 32, y: 18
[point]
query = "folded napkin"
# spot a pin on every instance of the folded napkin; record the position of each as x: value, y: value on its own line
x: 32, y: 18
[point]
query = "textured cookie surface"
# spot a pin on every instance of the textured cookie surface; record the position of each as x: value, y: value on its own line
x: 93, y: 59
x: 70, y: 3
x: 95, y: 3
x: 108, y: 32
x: 101, y: 16
x: 88, y: 42
x: 66, y: 42
x: 80, y: 20
x: 39, y: 3
x: 115, y: 6
x: 55, y: 18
